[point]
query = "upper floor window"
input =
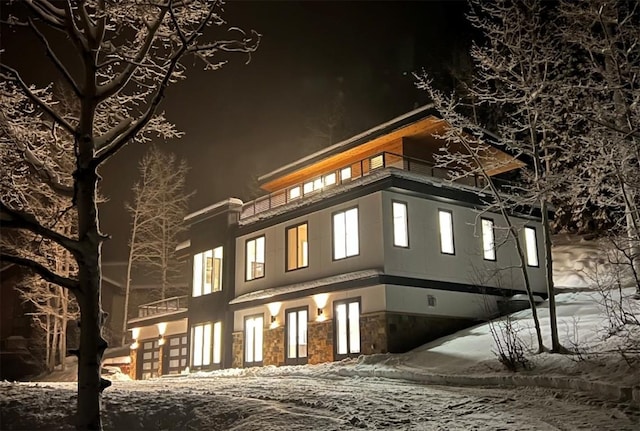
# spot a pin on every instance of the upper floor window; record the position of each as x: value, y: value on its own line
x: 376, y: 162
x: 400, y: 224
x: 488, y: 240
x: 445, y: 222
x: 345, y: 234
x: 297, y: 247
x: 207, y: 272
x: 345, y: 173
x: 254, y: 253
x: 531, y: 244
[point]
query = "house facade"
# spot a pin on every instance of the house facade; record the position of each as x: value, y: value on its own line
x: 364, y: 247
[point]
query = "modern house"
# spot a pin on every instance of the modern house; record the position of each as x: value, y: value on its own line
x: 363, y: 247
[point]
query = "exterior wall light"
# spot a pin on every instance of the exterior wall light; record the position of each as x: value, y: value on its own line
x: 320, y: 311
x: 134, y: 346
x: 273, y: 319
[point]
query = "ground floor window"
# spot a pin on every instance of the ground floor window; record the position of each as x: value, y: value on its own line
x: 177, y: 355
x: 150, y: 359
x: 296, y: 335
x: 347, y: 327
x: 253, y: 335
x: 206, y: 344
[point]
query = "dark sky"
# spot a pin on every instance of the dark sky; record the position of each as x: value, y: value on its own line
x: 247, y: 119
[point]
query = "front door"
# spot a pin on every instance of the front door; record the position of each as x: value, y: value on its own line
x: 296, y: 336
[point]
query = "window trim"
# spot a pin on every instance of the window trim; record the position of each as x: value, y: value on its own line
x: 335, y: 305
x: 493, y: 238
x: 246, y: 363
x: 246, y: 257
x: 406, y: 225
x: 333, y: 236
x: 286, y: 246
x: 453, y: 237
x: 526, y: 244
x: 297, y: 360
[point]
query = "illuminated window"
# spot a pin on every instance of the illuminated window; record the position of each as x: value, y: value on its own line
x: 400, y: 225
x: 206, y: 344
x: 207, y: 272
x: 532, y: 246
x: 347, y: 324
x: 345, y: 234
x: 345, y: 173
x: 255, y: 258
x: 307, y: 187
x: 376, y: 162
x: 330, y: 179
x: 297, y: 247
x: 488, y: 240
x: 317, y: 184
x: 296, y: 330
x: 294, y: 192
x: 253, y: 327
x: 445, y: 222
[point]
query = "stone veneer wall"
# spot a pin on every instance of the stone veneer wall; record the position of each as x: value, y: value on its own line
x: 320, y: 342
x: 273, y: 346
x: 238, y: 350
x: 373, y: 333
x: 133, y: 367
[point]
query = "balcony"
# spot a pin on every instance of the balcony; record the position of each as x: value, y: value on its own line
x: 346, y: 174
x: 164, y: 306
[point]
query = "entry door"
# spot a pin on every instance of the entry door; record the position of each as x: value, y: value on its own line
x: 253, y: 327
x: 296, y: 341
x: 347, y: 328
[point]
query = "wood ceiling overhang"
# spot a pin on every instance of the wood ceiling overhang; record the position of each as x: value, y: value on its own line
x: 421, y: 133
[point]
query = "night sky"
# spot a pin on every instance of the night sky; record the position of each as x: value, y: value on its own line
x: 248, y: 119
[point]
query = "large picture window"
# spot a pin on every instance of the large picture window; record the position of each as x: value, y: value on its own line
x: 207, y: 272
x: 400, y: 224
x: 296, y: 330
x: 253, y: 334
x: 488, y: 240
x: 206, y: 344
x: 297, y: 247
x: 345, y: 234
x: 347, y: 327
x: 531, y: 244
x: 445, y: 224
x: 254, y: 253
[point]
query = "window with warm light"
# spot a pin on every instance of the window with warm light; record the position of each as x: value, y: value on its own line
x: 445, y: 223
x: 297, y: 247
x: 307, y: 187
x: 376, y: 162
x: 296, y: 330
x: 345, y: 173
x: 254, y: 252
x: 207, y: 272
x: 294, y: 192
x: 531, y: 245
x: 488, y: 240
x: 345, y: 234
x: 330, y: 179
x: 400, y: 224
x: 347, y: 327
x: 253, y: 335
x: 201, y: 338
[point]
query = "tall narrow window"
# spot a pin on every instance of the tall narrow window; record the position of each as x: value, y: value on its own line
x: 297, y: 247
x: 255, y: 258
x: 445, y: 221
x: 253, y: 327
x: 205, y: 344
x: 346, y: 241
x: 488, y: 240
x: 207, y: 272
x: 531, y: 244
x: 296, y: 330
x: 347, y: 328
x: 400, y: 225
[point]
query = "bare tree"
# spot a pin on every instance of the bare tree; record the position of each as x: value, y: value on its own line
x: 158, y: 210
x: 127, y: 53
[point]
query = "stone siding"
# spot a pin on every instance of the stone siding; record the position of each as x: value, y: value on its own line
x: 238, y: 350
x: 273, y: 346
x: 373, y: 333
x: 320, y: 339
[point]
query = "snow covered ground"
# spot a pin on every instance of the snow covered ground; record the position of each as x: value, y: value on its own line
x: 386, y: 391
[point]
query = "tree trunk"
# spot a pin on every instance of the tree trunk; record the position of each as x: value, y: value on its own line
x: 556, y: 347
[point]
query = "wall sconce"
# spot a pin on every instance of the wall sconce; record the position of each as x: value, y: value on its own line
x: 320, y: 311
x: 273, y: 319
x: 134, y: 346
x: 161, y: 341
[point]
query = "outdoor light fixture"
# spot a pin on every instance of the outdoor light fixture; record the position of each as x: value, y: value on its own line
x: 320, y: 311
x: 161, y: 341
x: 273, y: 319
x: 134, y: 346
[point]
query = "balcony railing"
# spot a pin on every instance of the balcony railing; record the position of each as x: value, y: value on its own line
x: 348, y: 173
x: 177, y: 303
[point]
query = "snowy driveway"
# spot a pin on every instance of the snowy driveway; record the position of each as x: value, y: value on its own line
x: 309, y: 403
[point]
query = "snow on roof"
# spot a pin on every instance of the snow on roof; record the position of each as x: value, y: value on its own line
x: 183, y: 245
x: 230, y: 201
x: 346, y: 141
x: 297, y: 287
